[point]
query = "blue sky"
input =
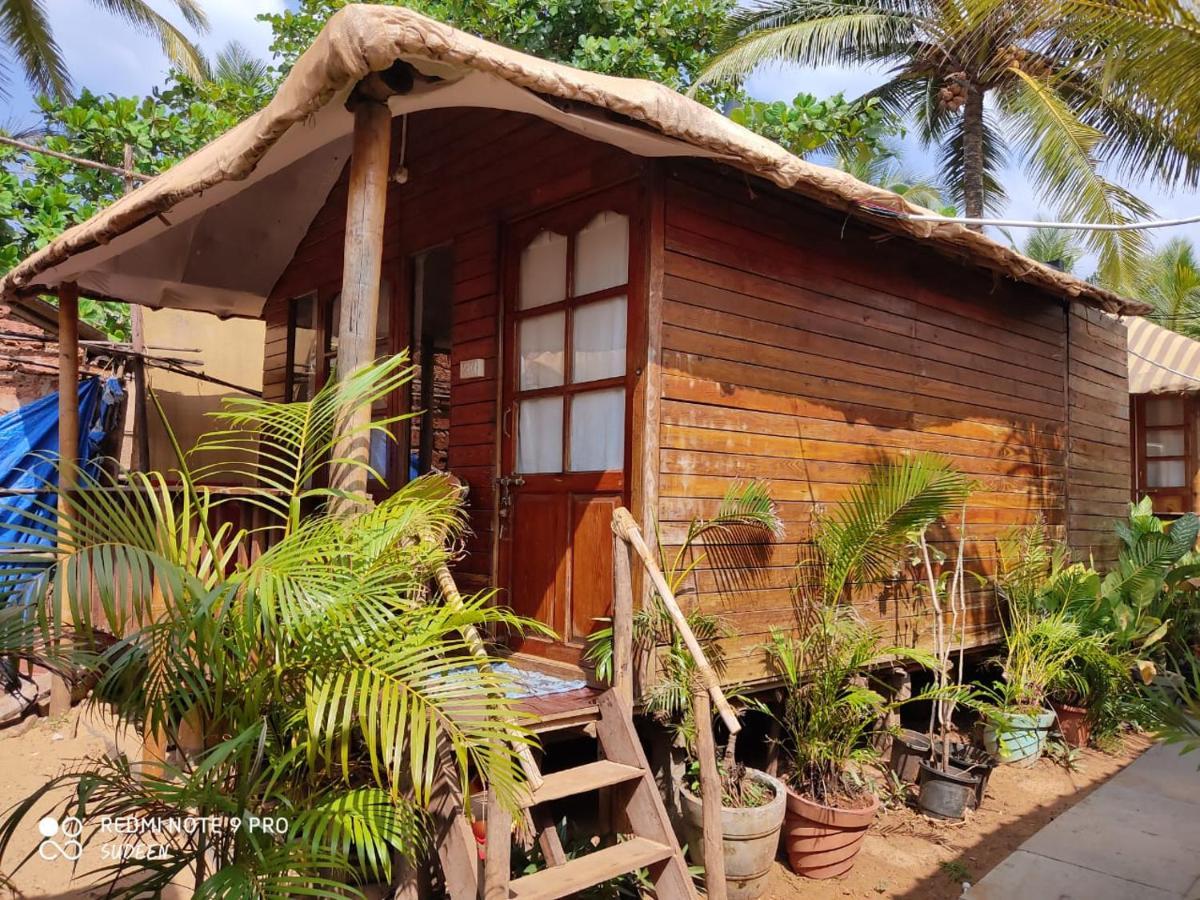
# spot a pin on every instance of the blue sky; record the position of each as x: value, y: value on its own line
x: 106, y: 57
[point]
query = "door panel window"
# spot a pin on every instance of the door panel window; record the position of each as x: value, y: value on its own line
x: 602, y: 254
x: 598, y: 348
x: 571, y: 359
x: 1164, y: 442
x: 540, y: 428
x: 598, y: 431
x: 541, y: 340
x: 543, y: 271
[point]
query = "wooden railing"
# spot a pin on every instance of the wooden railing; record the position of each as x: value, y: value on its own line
x: 707, y: 693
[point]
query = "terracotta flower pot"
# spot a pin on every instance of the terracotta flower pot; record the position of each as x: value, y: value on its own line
x: 1073, y: 724
x: 822, y: 841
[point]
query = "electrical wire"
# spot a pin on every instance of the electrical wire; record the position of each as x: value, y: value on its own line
x: 884, y: 211
x: 1167, y: 368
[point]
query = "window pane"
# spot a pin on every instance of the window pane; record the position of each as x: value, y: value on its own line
x: 598, y: 339
x: 543, y: 271
x: 539, y: 435
x: 540, y: 340
x: 1164, y: 442
x: 1165, y: 473
x: 1164, y: 411
x: 302, y: 380
x: 602, y: 254
x: 598, y: 431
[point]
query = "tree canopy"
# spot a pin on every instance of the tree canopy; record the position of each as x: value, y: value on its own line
x: 668, y: 41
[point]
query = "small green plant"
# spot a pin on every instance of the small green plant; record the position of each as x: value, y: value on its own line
x: 738, y: 790
x: 957, y: 871
x: 1063, y: 754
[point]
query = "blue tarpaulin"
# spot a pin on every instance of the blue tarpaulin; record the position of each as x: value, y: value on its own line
x: 29, y: 452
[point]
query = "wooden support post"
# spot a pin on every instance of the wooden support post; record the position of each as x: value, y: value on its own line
x: 68, y: 444
x: 626, y: 527
x: 498, y: 852
x: 366, y: 205
x: 710, y: 796
x: 622, y: 621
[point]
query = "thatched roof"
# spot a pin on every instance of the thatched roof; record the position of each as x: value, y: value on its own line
x: 215, y: 231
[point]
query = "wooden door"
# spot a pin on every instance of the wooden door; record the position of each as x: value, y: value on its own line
x: 570, y: 295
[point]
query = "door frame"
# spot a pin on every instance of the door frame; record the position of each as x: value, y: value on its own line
x: 629, y: 197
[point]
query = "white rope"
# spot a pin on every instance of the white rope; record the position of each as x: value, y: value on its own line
x: 1031, y: 223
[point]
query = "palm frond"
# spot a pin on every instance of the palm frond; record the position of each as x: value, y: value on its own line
x: 1062, y: 151
x: 867, y: 534
x: 181, y: 52
x: 25, y: 30
x: 810, y: 33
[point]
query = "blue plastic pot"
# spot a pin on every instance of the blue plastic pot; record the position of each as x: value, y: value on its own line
x: 1018, y: 739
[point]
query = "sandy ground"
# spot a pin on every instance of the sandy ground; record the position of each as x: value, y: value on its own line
x: 904, y: 856
x: 31, y: 757
x: 909, y: 857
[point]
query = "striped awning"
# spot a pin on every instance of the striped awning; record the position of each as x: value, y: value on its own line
x: 1161, y: 361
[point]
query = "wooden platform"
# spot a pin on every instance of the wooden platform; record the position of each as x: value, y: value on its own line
x: 554, y: 712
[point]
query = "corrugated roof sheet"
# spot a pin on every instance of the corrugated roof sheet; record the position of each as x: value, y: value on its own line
x: 1161, y: 361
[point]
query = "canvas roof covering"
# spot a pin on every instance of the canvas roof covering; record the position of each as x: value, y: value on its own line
x: 216, y: 231
x: 1161, y: 361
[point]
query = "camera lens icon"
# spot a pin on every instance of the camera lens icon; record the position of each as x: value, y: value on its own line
x: 69, y: 830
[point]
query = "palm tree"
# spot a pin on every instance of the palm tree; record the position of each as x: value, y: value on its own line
x: 29, y: 39
x: 983, y: 78
x: 236, y: 65
x: 1055, y: 247
x: 888, y: 170
x: 317, y: 682
x: 1170, y: 282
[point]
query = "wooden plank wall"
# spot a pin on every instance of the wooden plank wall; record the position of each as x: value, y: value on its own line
x: 798, y: 350
x: 468, y: 171
x: 1098, y: 477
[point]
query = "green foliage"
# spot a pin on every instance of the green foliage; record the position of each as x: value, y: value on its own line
x: 1169, y: 280
x: 667, y: 41
x: 855, y: 130
x: 831, y: 705
x: 868, y: 535
x: 318, y: 681
x: 40, y: 196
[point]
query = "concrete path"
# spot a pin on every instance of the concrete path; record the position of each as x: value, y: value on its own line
x: 1135, y: 838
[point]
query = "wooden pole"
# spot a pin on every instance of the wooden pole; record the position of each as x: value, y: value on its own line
x: 497, y: 851
x: 710, y: 797
x: 622, y: 621
x: 366, y: 206
x: 626, y: 527
x: 68, y: 443
x: 137, y: 337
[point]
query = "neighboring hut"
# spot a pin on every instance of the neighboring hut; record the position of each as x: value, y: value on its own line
x: 29, y: 352
x: 641, y: 303
x: 1164, y: 395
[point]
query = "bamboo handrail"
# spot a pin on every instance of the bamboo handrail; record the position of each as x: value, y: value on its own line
x: 627, y: 529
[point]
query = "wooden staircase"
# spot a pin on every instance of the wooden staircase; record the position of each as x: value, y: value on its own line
x: 650, y: 844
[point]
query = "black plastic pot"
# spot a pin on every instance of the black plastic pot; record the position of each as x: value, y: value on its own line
x: 909, y: 749
x: 946, y: 794
x: 977, y: 762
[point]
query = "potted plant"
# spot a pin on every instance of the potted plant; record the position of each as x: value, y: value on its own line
x: 1086, y: 669
x: 951, y: 779
x: 752, y: 810
x: 832, y: 706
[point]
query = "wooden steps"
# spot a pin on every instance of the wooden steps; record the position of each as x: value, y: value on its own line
x: 625, y: 773
x: 587, y: 871
x: 581, y: 780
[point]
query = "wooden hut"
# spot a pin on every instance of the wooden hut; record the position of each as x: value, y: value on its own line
x: 1164, y: 398
x: 618, y: 297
